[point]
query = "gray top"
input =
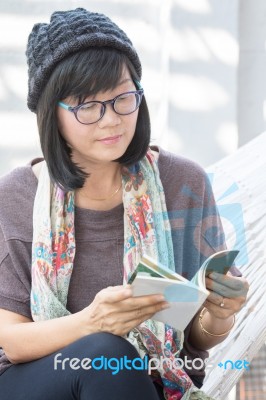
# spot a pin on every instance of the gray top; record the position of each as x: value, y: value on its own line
x: 99, y: 238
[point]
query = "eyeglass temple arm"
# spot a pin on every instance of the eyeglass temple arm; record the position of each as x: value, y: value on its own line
x: 138, y: 84
x: 63, y: 105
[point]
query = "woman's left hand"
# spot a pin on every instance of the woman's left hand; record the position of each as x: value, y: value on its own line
x: 228, y: 294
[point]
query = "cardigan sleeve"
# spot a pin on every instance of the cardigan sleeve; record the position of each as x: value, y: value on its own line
x: 197, y: 232
x: 15, y: 276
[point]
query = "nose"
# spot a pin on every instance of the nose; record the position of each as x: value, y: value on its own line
x: 110, y: 117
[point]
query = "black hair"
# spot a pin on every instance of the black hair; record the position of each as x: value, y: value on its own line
x: 80, y: 75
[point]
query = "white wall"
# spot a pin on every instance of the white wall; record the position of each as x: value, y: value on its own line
x: 202, y: 79
x: 252, y: 69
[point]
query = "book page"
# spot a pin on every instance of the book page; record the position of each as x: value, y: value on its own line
x: 219, y: 262
x: 148, y: 266
x: 184, y: 297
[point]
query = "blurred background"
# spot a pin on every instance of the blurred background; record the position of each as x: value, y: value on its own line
x: 204, y: 64
x: 204, y: 75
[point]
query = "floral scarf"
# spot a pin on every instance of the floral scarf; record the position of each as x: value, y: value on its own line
x: 146, y: 230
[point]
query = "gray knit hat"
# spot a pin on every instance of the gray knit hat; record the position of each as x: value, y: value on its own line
x: 67, y: 33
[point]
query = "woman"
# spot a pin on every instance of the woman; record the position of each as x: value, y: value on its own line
x: 75, y: 224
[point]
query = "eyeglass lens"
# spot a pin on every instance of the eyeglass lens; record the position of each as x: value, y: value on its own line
x: 124, y: 104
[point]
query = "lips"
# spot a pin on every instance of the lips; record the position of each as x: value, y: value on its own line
x: 110, y: 139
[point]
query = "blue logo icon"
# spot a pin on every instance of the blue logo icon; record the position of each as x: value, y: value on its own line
x: 232, y: 214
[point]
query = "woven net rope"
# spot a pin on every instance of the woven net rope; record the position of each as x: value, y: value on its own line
x: 239, y: 184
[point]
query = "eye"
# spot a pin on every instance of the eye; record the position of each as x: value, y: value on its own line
x: 89, y: 106
x: 124, y: 96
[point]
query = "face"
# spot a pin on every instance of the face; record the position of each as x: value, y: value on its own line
x: 105, y: 140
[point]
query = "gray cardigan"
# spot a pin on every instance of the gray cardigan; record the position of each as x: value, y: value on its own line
x: 196, y: 233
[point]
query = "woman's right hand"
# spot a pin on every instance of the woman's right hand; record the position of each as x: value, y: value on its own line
x: 115, y: 310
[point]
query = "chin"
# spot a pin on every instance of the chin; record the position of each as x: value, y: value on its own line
x: 114, y: 153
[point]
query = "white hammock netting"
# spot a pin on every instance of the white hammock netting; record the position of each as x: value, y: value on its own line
x: 240, y: 180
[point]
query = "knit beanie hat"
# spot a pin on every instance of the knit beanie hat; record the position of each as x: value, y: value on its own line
x: 67, y: 33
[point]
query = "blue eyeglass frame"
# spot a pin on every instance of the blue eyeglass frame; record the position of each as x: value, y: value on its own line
x: 75, y: 109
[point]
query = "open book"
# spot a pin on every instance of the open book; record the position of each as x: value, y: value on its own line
x: 184, y: 296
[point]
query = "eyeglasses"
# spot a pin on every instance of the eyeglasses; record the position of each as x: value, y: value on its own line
x: 92, y: 111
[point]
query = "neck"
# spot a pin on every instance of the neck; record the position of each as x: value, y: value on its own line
x: 102, y: 187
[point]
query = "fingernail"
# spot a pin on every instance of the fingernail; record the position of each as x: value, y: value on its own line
x: 166, y: 305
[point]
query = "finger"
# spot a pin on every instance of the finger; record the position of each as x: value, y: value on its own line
x: 217, y: 311
x: 114, y: 294
x: 238, y: 289
x: 234, y: 282
x: 125, y: 321
x: 120, y: 294
x: 136, y: 302
x: 228, y: 303
x: 119, y: 321
x: 215, y: 298
x: 140, y: 314
x: 118, y: 287
x: 221, y: 290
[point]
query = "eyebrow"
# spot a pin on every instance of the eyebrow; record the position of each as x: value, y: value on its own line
x: 119, y: 84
